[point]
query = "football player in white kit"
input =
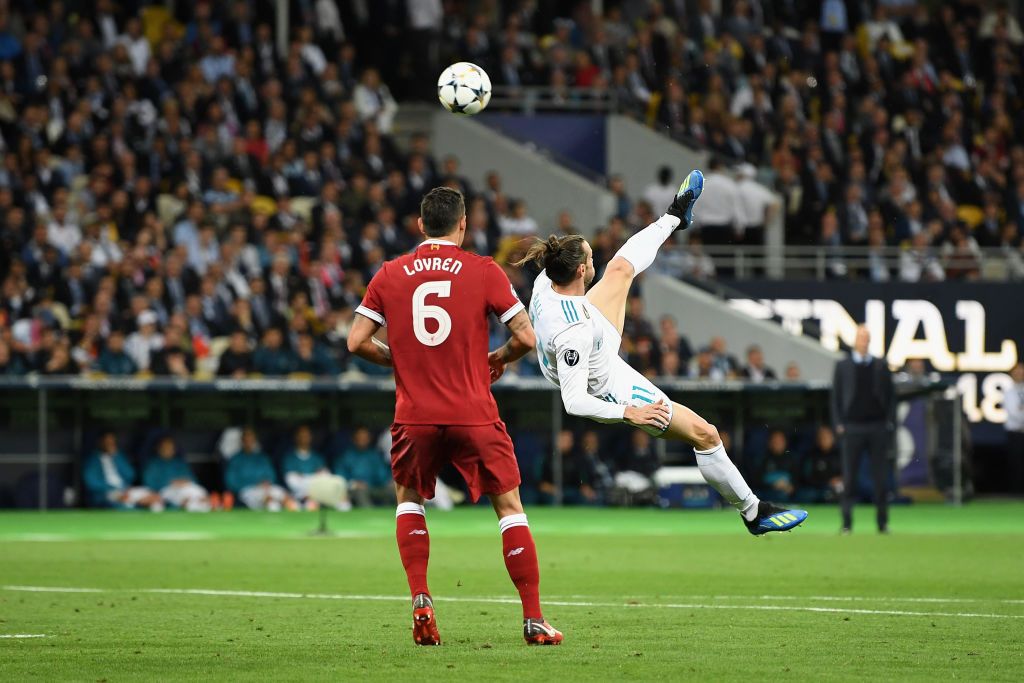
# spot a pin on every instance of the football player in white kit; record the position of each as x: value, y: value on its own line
x: 578, y: 337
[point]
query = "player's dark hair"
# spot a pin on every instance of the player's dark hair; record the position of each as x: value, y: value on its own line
x: 559, y: 256
x: 441, y: 210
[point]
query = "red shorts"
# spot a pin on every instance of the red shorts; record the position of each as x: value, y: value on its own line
x: 483, y: 454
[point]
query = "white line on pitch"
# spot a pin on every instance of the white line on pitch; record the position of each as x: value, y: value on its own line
x: 486, y: 600
x: 22, y: 635
x: 817, y: 598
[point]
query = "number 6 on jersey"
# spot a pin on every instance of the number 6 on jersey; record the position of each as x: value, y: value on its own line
x: 422, y: 312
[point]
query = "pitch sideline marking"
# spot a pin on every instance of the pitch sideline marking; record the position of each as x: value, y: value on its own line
x: 22, y: 635
x: 484, y: 600
x: 822, y: 598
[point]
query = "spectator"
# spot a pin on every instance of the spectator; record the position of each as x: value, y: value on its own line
x: 754, y: 206
x: 176, y: 358
x: 364, y: 468
x: 919, y: 263
x: 635, y: 325
x: 634, y: 478
x: 696, y: 263
x: 237, y: 360
x: 114, y: 360
x: 703, y: 367
x: 793, y: 372
x: 719, y: 219
x: 671, y: 341
x: 517, y: 223
x: 250, y: 477
x: 778, y: 469
x: 1013, y: 403
x: 722, y: 359
x: 822, y: 480
x: 170, y: 476
x: 578, y: 477
x: 142, y: 343
x: 312, y: 358
x: 662, y: 192
x: 109, y: 479
x: 373, y: 101
x: 271, y: 358
x: 756, y: 371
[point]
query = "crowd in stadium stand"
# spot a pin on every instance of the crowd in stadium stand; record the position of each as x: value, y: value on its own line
x: 176, y: 198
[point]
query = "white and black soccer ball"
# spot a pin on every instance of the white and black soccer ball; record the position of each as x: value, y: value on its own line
x: 464, y: 88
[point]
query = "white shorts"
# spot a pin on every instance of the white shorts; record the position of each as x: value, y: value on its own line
x: 178, y: 496
x: 627, y: 387
x: 263, y: 496
x: 135, y: 495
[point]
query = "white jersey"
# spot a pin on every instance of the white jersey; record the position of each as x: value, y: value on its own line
x: 577, y: 348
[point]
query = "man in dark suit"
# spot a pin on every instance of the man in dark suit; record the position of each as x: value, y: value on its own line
x: 863, y: 410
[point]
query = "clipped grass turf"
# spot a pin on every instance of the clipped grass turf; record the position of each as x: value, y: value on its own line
x: 640, y: 594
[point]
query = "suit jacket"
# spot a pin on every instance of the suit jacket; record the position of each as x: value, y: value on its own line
x: 843, y: 386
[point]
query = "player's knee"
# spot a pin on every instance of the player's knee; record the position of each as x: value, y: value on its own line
x: 706, y: 436
x: 619, y: 267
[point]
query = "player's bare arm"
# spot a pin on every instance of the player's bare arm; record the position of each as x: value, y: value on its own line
x: 521, y: 343
x: 363, y: 343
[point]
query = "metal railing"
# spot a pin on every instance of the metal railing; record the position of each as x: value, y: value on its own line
x: 862, y: 263
x: 534, y: 98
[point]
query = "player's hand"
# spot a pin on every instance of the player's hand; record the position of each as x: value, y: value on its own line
x: 654, y: 415
x: 497, y: 366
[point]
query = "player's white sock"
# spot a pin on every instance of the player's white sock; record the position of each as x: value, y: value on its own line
x: 642, y: 248
x: 716, y: 467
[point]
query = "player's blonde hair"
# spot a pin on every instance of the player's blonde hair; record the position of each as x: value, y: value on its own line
x: 559, y: 256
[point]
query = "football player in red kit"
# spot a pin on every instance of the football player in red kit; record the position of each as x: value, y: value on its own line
x: 436, y: 303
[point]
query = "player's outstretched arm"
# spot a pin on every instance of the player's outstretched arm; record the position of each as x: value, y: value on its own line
x: 522, y: 342
x: 362, y: 343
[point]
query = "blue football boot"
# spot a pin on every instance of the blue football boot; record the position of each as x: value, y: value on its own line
x: 689, y: 191
x: 771, y: 517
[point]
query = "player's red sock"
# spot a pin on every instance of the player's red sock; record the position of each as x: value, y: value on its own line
x: 413, y: 545
x: 521, y: 561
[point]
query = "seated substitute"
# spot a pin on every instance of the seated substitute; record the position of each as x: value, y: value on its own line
x: 109, y: 479
x: 171, y: 476
x: 301, y: 465
x: 367, y: 473
x: 250, y: 476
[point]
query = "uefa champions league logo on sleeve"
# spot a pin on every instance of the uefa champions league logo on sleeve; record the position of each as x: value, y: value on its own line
x: 571, y: 357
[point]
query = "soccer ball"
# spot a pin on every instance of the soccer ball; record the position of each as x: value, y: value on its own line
x: 464, y: 88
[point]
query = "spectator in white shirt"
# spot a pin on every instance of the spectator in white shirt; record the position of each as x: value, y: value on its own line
x: 517, y: 223
x: 755, y: 205
x: 137, y: 45
x: 1013, y: 403
x: 61, y: 232
x: 663, y: 192
x: 919, y: 263
x: 718, y: 215
x: 141, y: 344
x: 373, y: 101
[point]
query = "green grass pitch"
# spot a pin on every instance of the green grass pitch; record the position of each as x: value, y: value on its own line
x: 639, y: 594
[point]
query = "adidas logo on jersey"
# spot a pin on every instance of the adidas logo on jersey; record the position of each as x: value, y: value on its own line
x: 418, y: 532
x: 514, y: 551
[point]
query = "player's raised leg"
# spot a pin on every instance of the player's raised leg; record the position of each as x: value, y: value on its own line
x: 718, y: 470
x: 520, y: 555
x: 414, y: 548
x: 638, y: 253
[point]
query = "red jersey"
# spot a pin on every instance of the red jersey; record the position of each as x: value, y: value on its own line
x: 436, y: 303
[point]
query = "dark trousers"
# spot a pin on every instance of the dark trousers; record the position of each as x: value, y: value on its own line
x: 873, y: 438
x: 1015, y: 451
